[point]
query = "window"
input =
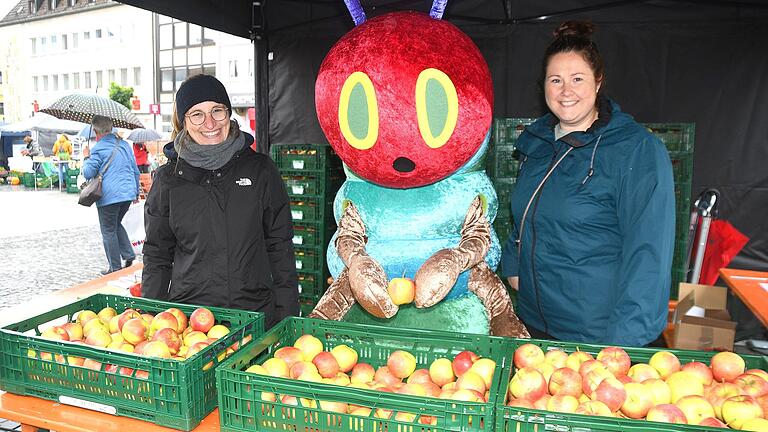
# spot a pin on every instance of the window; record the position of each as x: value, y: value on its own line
x: 87, y: 78
x: 179, y: 75
x: 209, y: 69
x: 166, y: 36
x: 43, y: 44
x: 64, y: 44
x: 86, y: 35
x: 137, y: 76
x: 111, y: 75
x: 75, y: 41
x: 72, y: 2
x: 65, y: 81
x: 99, y: 79
x: 51, y: 4
x: 2, y: 109
x: 180, y: 34
x: 45, y: 82
x: 97, y: 34
x: 1, y: 77
x: 34, y: 45
x: 233, y: 68
x: 124, y: 76
x: 55, y: 82
x: 33, y: 6
x: 195, y: 34
x: 54, y: 41
x: 166, y: 80
x: 76, y: 80
x: 35, y: 84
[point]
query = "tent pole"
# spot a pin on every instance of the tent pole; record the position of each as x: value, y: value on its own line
x: 260, y: 75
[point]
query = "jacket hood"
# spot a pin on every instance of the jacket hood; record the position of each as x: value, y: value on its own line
x: 172, y: 154
x: 610, y: 119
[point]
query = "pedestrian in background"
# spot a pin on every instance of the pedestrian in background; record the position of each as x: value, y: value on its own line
x: 218, y: 221
x: 141, y: 154
x: 62, y: 150
x: 594, y: 210
x: 120, y: 186
x: 33, y: 148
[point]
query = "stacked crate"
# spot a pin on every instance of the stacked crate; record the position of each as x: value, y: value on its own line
x: 502, y: 165
x: 312, y: 175
x: 71, y: 180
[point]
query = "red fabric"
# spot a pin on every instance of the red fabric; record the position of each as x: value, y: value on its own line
x: 723, y: 244
x: 140, y: 152
x: 393, y: 49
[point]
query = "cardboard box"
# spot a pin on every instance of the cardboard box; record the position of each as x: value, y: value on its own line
x: 701, y: 320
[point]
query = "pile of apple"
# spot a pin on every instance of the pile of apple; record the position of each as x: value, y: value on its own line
x: 721, y: 394
x: 168, y: 334
x: 466, y: 377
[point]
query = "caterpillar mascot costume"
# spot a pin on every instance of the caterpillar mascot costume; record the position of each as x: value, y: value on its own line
x: 405, y: 99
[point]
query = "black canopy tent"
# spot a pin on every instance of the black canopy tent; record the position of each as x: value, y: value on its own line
x: 702, y: 61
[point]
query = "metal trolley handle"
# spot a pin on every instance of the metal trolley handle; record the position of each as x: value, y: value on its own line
x: 705, y: 207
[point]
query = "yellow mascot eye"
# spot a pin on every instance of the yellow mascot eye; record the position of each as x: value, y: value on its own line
x: 359, y: 112
x: 437, y: 107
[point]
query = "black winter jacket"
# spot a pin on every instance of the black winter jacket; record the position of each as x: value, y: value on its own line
x: 221, y: 237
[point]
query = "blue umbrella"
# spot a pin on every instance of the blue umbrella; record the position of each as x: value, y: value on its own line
x: 141, y: 135
x: 87, y: 132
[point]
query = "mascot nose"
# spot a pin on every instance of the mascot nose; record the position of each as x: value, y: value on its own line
x: 403, y: 165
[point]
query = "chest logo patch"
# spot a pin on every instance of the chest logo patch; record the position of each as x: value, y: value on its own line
x: 244, y: 182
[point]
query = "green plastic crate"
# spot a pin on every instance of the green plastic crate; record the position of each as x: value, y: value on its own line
x: 504, y: 188
x: 28, y: 179
x: 311, y: 234
x: 73, y: 172
x: 682, y: 168
x: 241, y: 407
x: 305, y: 157
x: 176, y: 394
x: 507, y: 130
x: 312, y: 284
x: 503, y: 162
x: 309, y: 259
x: 516, y: 419
x: 311, y: 209
x: 677, y: 137
x: 322, y: 184
x: 73, y: 188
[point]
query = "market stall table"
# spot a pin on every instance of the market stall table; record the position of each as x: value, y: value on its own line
x: 751, y: 287
x: 34, y: 413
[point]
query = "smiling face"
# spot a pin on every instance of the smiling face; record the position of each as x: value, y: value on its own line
x: 211, y: 131
x: 405, y: 100
x: 570, y: 89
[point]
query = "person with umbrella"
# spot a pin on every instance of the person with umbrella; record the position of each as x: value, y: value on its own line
x: 140, y: 137
x: 218, y: 221
x: 112, y: 158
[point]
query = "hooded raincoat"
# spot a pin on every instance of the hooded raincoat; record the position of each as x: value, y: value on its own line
x: 221, y: 237
x: 596, y: 248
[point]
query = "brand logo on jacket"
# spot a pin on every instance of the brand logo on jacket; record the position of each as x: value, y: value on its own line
x: 244, y: 182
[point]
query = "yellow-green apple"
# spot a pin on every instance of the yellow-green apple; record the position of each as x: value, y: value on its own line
x: 466, y: 395
x: 590, y: 365
x: 94, y: 324
x: 666, y: 413
x: 463, y: 361
x: 346, y: 356
x: 739, y: 409
x: 642, y: 371
x: 726, y: 366
x: 84, y: 316
x: 576, y: 358
x: 405, y: 416
x: 202, y: 319
x: 170, y: 338
x: 759, y: 372
x: 126, y: 315
x: 181, y: 318
x: 301, y: 367
x: 717, y: 393
x: 309, y: 345
x: 485, y: 367
x: 546, y: 370
x: 682, y: 383
x: 712, y: 422
x: 638, y: 402
x: 326, y: 363
x: 362, y: 373
x: 665, y: 363
x: 341, y: 379
x: 55, y: 333
x: 156, y: 349
x: 695, y: 408
x: 276, y: 367
x: 528, y: 355
x: 401, y: 290
x: 412, y: 389
x: 384, y: 376
x: 471, y: 381
x: 401, y: 363
x: 562, y: 403
x: 615, y: 359
x: 592, y: 379
x: 74, y: 330
x: 594, y: 408
x: 527, y: 383
x: 565, y: 381
x: 99, y: 338
x: 542, y: 402
x: 755, y: 424
x: 431, y: 388
x: 194, y: 337
x: 148, y: 317
x: 194, y: 349
x: 218, y: 331
x: 556, y: 357
x: 163, y: 320
x: 113, y: 325
x: 700, y: 370
x: 611, y: 392
x: 333, y: 406
x: 139, y: 347
x: 135, y: 330
x: 441, y: 371
x: 106, y: 314
x: 751, y: 385
x: 290, y: 355
x: 520, y: 403
x: 257, y: 369
x: 419, y: 376
x: 361, y: 411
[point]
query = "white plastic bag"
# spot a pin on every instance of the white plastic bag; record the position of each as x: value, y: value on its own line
x: 133, y: 222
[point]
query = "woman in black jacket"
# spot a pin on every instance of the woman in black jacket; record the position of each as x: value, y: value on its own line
x: 217, y: 218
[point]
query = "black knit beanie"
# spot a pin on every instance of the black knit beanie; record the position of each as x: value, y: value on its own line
x: 200, y: 88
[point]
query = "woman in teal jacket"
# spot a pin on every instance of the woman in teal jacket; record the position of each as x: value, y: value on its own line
x: 594, y: 210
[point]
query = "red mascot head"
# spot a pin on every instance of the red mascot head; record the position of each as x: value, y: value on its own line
x: 405, y: 99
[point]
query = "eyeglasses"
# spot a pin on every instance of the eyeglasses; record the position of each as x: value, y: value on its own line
x: 198, y: 117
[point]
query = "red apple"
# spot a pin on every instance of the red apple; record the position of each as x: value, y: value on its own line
x: 528, y: 383
x: 638, y: 402
x: 611, y: 392
x: 528, y: 355
x: 726, y: 366
x: 666, y: 413
x: 202, y: 320
x: 326, y: 363
x: 463, y: 361
x: 565, y: 381
x: 700, y: 370
x: 615, y: 359
x: 751, y: 385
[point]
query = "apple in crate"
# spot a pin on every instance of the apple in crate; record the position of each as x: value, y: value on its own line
x: 528, y: 355
x: 401, y: 363
x: 170, y: 338
x: 738, y: 409
x: 202, y: 319
x: 700, y: 370
x: 463, y: 361
x: 576, y: 358
x: 682, y: 383
x: 528, y: 383
x: 401, y: 290
x: 163, y: 320
x: 556, y: 357
x: 615, y: 359
x: 126, y: 315
x: 362, y: 373
x: 84, y: 316
x: 755, y: 424
x: 726, y: 366
x: 666, y: 413
x: 695, y: 408
x: 135, y: 330
x: 641, y: 371
x: 326, y: 363
x: 717, y: 393
x: 485, y: 367
x: 565, y: 381
x: 751, y: 385
x: 55, y: 333
x: 74, y: 330
x: 181, y: 318
x: 345, y: 356
x: 309, y: 345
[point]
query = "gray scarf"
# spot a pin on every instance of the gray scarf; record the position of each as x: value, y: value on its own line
x: 209, y: 157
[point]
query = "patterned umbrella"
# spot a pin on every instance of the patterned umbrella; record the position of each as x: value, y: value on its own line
x: 143, y: 135
x: 82, y: 107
